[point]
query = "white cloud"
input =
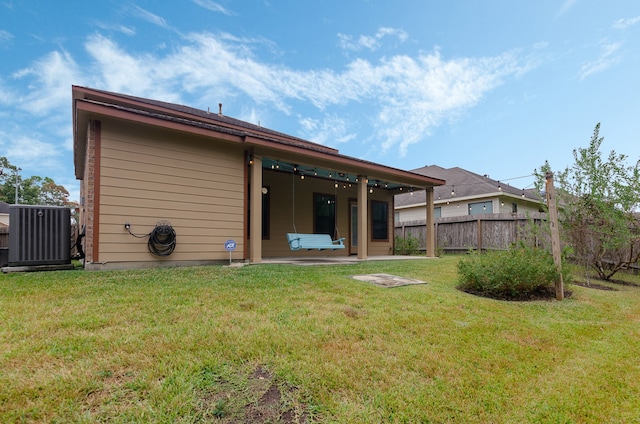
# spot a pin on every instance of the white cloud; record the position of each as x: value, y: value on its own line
x: 411, y: 95
x: 118, y: 28
x: 213, y: 6
x: 50, y: 83
x: 150, y: 17
x: 370, y: 42
x: 330, y: 130
x: 566, y: 6
x: 25, y: 149
x: 6, y: 94
x: 625, y: 23
x: 5, y: 37
x: 406, y: 98
x: 606, y: 59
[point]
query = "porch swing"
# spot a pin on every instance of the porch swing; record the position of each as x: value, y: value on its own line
x: 300, y: 241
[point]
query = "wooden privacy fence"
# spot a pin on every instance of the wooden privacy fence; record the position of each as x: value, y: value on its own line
x: 480, y: 232
x: 4, y: 236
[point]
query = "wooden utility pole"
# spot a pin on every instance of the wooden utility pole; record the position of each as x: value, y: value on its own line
x: 555, y: 233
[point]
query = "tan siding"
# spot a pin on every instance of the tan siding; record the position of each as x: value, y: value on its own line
x: 149, y: 176
x: 412, y: 214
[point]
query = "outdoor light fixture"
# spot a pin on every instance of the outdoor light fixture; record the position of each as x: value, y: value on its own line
x: 453, y: 190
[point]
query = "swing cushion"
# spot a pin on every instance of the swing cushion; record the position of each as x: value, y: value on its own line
x: 313, y: 241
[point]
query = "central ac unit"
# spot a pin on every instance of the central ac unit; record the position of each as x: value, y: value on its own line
x: 39, y: 235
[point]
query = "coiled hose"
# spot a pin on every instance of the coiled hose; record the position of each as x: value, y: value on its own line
x: 162, y: 239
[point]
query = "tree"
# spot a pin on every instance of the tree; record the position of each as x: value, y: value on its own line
x: 33, y: 190
x: 599, y: 199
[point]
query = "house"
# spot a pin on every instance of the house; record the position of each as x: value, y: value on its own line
x: 465, y: 193
x: 163, y: 184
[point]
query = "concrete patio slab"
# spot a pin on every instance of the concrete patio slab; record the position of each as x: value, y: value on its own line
x: 387, y: 280
x: 337, y: 260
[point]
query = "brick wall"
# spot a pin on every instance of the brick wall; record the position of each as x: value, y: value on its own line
x: 87, y: 191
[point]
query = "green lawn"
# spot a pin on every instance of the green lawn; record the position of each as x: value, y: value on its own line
x: 284, y: 343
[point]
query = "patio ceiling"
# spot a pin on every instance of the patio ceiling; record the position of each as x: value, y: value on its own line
x: 339, y: 177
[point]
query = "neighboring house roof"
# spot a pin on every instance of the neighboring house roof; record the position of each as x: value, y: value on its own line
x: 465, y: 184
x: 92, y: 102
x: 4, y: 207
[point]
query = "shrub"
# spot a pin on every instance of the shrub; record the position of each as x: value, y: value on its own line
x: 518, y: 273
x: 409, y: 245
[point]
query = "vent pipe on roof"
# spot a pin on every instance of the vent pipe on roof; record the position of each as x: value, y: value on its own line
x: 219, y: 109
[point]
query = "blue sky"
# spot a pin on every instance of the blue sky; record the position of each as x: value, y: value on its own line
x: 496, y: 87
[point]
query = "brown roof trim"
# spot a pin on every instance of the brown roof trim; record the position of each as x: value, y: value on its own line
x: 191, y: 113
x: 263, y: 142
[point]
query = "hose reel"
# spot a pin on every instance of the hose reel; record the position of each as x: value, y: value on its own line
x: 162, y: 239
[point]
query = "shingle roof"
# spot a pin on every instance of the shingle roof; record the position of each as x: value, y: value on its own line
x: 89, y: 100
x: 217, y: 117
x: 466, y: 184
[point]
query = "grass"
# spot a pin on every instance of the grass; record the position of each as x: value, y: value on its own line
x: 215, y: 344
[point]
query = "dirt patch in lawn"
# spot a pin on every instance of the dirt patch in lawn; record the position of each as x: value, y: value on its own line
x: 260, y: 399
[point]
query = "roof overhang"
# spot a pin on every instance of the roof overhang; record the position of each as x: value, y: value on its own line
x: 91, y: 104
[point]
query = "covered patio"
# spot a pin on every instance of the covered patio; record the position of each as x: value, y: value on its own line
x: 326, y: 193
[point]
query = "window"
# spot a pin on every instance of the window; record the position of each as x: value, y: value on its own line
x: 514, y: 208
x: 437, y: 212
x: 324, y: 213
x: 480, y: 207
x: 379, y: 220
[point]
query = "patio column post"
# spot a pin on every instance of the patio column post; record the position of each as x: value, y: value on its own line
x: 363, y: 215
x: 430, y: 230
x: 255, y: 242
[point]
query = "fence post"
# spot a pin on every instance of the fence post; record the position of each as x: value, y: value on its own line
x: 555, y: 233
